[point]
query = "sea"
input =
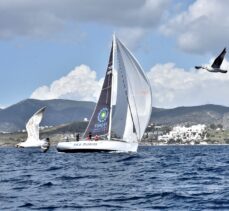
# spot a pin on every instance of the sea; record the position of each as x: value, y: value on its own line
x: 155, y: 178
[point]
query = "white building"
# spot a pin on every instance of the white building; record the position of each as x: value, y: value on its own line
x: 185, y: 134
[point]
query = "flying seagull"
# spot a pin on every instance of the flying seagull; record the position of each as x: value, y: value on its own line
x: 32, y: 128
x: 215, y: 67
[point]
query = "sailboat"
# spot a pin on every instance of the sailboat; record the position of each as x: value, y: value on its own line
x: 32, y: 128
x: 123, y: 110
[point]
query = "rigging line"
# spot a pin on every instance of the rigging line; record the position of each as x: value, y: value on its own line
x: 109, y: 73
x: 126, y: 91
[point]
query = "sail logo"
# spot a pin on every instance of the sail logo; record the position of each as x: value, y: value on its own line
x: 103, y: 114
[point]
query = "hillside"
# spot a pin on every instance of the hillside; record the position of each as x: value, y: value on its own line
x: 58, y: 112
x: 61, y: 112
x: 205, y: 114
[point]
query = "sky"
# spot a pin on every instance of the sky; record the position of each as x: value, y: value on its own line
x: 59, y: 49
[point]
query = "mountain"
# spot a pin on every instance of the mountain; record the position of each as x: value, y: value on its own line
x: 58, y: 112
x: 65, y: 112
x: 204, y: 114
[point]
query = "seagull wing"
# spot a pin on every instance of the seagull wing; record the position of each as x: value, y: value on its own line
x: 32, y: 126
x: 218, y: 61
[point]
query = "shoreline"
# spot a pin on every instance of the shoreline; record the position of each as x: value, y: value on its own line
x: 53, y: 145
x: 11, y: 139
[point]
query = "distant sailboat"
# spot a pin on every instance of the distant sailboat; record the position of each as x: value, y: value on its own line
x: 32, y: 128
x: 123, y: 109
x: 215, y: 67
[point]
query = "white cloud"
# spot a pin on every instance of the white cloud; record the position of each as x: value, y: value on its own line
x: 40, y: 18
x: 2, y: 106
x: 79, y: 84
x: 203, y: 27
x: 173, y: 86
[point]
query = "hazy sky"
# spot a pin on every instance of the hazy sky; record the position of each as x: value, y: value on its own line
x: 59, y: 49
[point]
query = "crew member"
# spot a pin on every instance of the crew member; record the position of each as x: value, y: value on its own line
x: 77, y: 137
x: 89, y: 135
x: 96, y: 137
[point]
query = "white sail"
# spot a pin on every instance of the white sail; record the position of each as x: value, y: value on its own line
x: 133, y: 98
x: 32, y: 126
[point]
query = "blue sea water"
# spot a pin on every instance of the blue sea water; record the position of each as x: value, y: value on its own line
x: 155, y: 178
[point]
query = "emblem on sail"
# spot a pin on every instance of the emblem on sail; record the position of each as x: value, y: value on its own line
x: 103, y: 115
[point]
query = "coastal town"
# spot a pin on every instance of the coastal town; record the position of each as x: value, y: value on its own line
x: 186, y: 134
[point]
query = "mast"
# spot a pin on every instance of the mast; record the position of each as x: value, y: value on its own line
x: 110, y: 117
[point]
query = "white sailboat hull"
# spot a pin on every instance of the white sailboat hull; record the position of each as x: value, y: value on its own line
x: 97, y: 146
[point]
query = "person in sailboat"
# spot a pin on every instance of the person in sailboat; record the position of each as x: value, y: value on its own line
x: 89, y: 136
x: 77, y: 137
x: 96, y: 138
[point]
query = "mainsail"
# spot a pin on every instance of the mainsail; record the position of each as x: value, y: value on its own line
x: 99, y: 122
